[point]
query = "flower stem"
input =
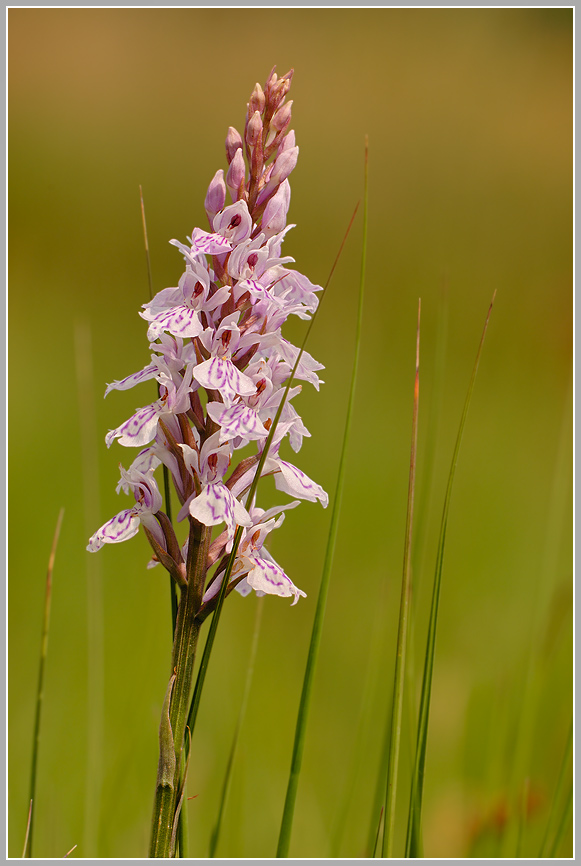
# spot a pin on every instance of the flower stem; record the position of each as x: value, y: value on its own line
x: 402, y: 638
x: 40, y: 687
x: 176, y: 705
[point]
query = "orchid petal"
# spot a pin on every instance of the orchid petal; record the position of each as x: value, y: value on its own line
x: 215, y: 504
x: 238, y: 420
x: 294, y: 482
x: 148, y: 372
x: 221, y: 375
x: 180, y: 321
x: 121, y: 527
x: 136, y: 431
x: 268, y: 577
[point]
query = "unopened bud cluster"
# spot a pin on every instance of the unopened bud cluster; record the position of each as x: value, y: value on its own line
x: 221, y: 364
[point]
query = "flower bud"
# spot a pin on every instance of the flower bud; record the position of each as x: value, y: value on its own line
x: 274, y: 217
x: 216, y: 196
x: 280, y: 170
x: 270, y: 82
x: 236, y: 175
x: 282, y: 117
x: 233, y: 143
x: 284, y: 164
x: 287, y: 142
x: 254, y: 129
x: 257, y: 100
x: 279, y: 91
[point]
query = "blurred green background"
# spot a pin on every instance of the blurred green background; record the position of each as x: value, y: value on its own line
x: 469, y: 117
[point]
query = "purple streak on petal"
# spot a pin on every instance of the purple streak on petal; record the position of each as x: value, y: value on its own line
x: 294, y: 482
x: 180, y: 321
x: 221, y: 375
x: 209, y: 244
x: 268, y: 577
x: 121, y: 527
x: 138, y: 430
x: 148, y: 372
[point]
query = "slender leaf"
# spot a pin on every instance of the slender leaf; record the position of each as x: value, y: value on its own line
x: 40, y: 687
x: 224, y: 588
x: 416, y: 794
x: 400, y: 662
x: 301, y: 726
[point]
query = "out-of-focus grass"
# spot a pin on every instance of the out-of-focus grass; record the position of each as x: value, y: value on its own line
x: 469, y: 117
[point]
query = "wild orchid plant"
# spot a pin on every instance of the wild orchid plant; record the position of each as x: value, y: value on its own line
x: 222, y: 368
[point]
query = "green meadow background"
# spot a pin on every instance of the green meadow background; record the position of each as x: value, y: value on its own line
x: 469, y: 118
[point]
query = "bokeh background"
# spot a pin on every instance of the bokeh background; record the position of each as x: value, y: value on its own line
x: 469, y: 118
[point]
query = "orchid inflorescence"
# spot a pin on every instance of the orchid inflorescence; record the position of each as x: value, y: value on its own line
x: 221, y: 364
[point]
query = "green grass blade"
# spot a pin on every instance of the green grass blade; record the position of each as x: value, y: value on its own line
x: 400, y: 662
x: 563, y: 775
x: 415, y: 808
x: 300, y: 732
x: 40, y: 687
x: 378, y: 804
x: 379, y: 828
x: 224, y: 588
x: 215, y: 838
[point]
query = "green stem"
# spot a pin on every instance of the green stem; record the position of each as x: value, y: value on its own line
x: 400, y: 663
x: 40, y: 687
x: 413, y: 837
x: 174, y: 717
x: 305, y: 700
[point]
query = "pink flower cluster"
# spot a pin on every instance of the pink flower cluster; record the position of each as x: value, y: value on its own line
x: 221, y: 364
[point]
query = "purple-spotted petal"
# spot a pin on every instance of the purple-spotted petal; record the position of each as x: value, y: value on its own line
x: 180, y: 321
x: 238, y: 420
x: 221, y: 375
x: 121, y: 527
x: 215, y: 504
x: 268, y: 577
x: 148, y: 372
x: 136, y: 431
x: 210, y: 244
x: 294, y: 482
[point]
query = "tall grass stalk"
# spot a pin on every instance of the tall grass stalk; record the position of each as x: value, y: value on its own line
x: 301, y: 726
x: 400, y: 660
x: 225, y: 585
x: 40, y: 687
x: 424, y: 507
x: 215, y: 838
x: 416, y: 794
x: 378, y: 804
